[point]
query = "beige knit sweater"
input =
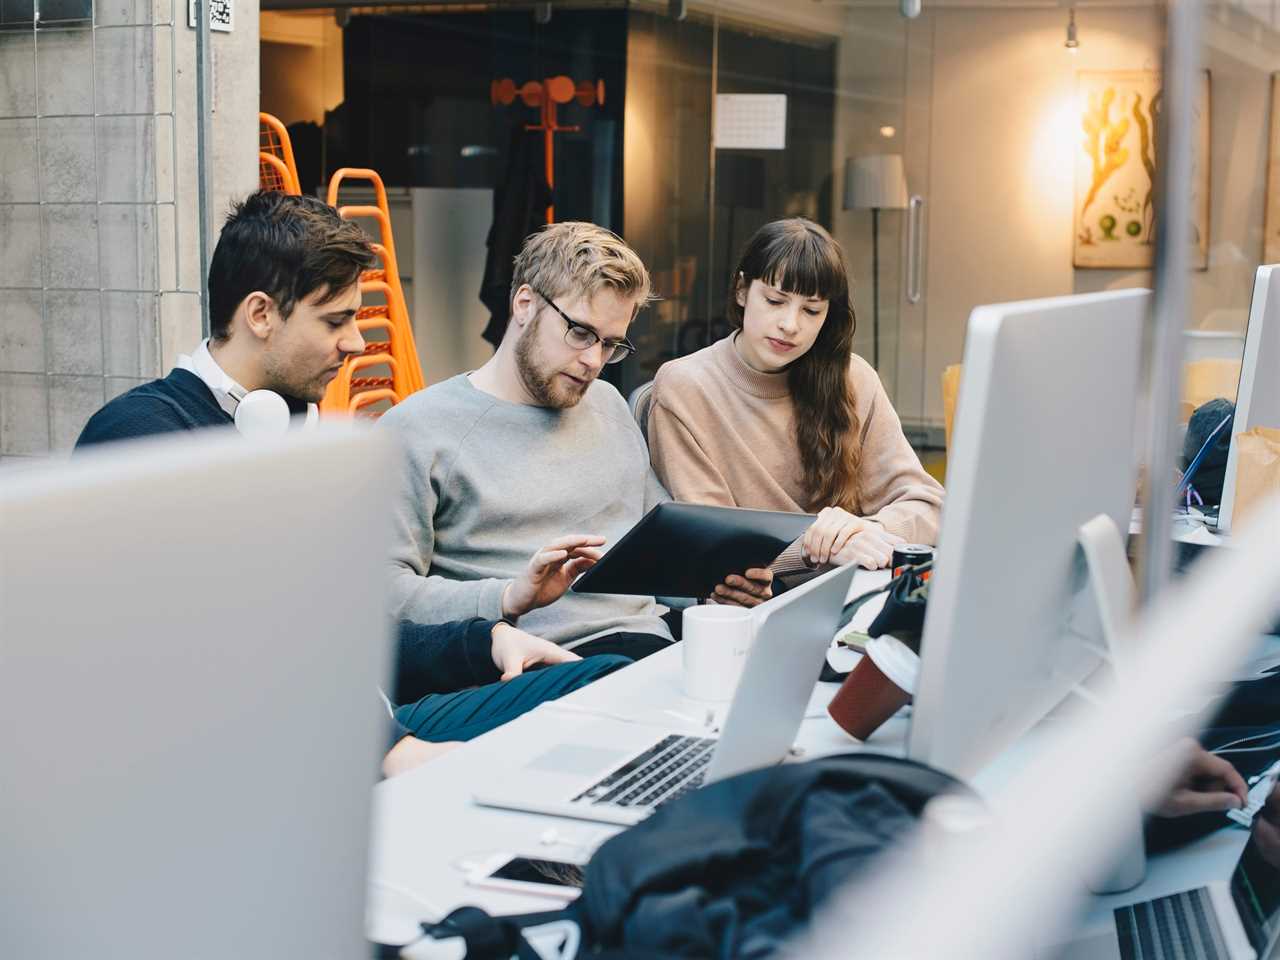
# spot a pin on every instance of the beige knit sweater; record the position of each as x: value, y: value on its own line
x: 723, y: 433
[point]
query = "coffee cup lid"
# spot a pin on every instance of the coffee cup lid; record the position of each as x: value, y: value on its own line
x: 896, y: 661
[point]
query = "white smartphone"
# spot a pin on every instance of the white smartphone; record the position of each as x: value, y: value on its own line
x: 516, y: 874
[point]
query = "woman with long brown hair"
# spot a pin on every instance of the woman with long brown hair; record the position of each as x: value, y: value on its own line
x: 782, y: 415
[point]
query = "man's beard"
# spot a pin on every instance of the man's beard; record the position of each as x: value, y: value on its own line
x: 544, y: 389
x: 284, y: 381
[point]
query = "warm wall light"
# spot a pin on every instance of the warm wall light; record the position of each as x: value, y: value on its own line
x: 887, y: 132
x: 1073, y: 40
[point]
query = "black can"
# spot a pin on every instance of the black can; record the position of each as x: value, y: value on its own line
x: 911, y: 555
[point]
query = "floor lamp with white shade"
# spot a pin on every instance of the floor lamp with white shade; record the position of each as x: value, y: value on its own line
x: 876, y: 182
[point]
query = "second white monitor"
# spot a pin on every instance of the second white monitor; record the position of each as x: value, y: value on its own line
x: 1044, y: 441
x: 1258, y: 398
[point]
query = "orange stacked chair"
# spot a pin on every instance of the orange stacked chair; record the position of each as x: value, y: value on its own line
x: 276, y: 167
x: 389, y: 369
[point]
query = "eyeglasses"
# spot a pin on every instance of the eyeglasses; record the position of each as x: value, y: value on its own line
x: 581, y: 337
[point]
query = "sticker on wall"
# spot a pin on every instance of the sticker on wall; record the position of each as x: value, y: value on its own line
x: 220, y: 14
x: 1116, y: 170
x: 751, y: 121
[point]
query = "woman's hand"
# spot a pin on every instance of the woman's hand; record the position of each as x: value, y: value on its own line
x: 838, y: 537
x: 834, y: 528
x: 871, y: 547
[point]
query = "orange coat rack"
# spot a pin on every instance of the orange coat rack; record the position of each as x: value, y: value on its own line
x: 546, y: 95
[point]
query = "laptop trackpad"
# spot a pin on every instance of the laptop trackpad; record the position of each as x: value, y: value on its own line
x: 576, y: 758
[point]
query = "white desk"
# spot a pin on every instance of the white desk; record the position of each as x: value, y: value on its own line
x: 426, y: 825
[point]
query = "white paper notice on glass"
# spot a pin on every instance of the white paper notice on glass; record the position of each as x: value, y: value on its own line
x: 751, y: 121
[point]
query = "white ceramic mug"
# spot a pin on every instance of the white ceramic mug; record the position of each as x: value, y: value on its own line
x: 716, y: 639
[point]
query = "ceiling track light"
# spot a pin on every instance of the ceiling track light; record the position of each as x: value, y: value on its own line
x: 1073, y: 39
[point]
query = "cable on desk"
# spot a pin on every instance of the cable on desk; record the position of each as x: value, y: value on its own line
x: 1249, y: 739
x: 1265, y: 747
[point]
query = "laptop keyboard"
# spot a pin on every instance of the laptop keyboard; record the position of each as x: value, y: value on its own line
x: 669, y: 769
x: 1180, y: 927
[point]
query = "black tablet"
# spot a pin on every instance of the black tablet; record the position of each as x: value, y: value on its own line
x: 685, y: 549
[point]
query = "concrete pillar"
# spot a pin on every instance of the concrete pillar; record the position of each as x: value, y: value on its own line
x: 99, y: 271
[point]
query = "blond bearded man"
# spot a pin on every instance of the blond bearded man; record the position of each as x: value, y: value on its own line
x: 521, y: 471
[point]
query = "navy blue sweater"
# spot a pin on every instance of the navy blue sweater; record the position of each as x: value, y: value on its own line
x: 180, y: 401
x: 442, y: 658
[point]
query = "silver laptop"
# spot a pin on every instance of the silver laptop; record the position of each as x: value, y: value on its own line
x: 617, y: 772
x: 192, y: 632
x: 1235, y: 919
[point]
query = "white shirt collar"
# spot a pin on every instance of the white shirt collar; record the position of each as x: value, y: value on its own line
x: 224, y: 388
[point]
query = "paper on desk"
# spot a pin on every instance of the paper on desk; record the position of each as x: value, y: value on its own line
x: 1198, y: 533
x: 866, y: 613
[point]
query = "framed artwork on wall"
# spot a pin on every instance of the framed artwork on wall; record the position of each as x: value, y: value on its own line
x: 1271, y: 215
x: 1115, y: 176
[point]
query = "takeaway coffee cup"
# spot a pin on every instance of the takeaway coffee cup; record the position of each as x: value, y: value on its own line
x: 716, y: 640
x: 883, y: 681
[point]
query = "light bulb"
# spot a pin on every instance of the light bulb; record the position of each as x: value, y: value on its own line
x: 1073, y: 40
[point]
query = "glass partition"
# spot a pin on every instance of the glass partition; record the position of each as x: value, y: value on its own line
x: 972, y: 154
x: 449, y: 132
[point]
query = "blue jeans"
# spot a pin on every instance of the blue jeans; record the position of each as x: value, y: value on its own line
x: 468, y: 713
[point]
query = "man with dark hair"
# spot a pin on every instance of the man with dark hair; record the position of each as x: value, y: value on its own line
x: 284, y: 288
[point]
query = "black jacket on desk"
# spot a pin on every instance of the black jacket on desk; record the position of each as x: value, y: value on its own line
x: 180, y: 401
x: 735, y: 869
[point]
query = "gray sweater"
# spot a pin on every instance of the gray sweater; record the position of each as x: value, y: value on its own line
x: 488, y: 483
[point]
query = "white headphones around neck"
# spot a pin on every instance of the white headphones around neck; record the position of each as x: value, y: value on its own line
x: 257, y: 413
x: 262, y: 413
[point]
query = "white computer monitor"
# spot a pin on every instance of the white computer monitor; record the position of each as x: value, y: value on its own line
x: 1258, y: 398
x: 1043, y: 442
x: 192, y: 632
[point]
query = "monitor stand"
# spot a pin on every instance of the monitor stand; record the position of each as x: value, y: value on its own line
x: 1111, y: 584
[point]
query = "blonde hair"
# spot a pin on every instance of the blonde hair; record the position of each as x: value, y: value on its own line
x: 580, y: 258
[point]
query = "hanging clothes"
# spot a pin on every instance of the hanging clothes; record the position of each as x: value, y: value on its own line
x: 520, y: 202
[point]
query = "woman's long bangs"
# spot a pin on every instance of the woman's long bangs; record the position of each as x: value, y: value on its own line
x: 800, y: 257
